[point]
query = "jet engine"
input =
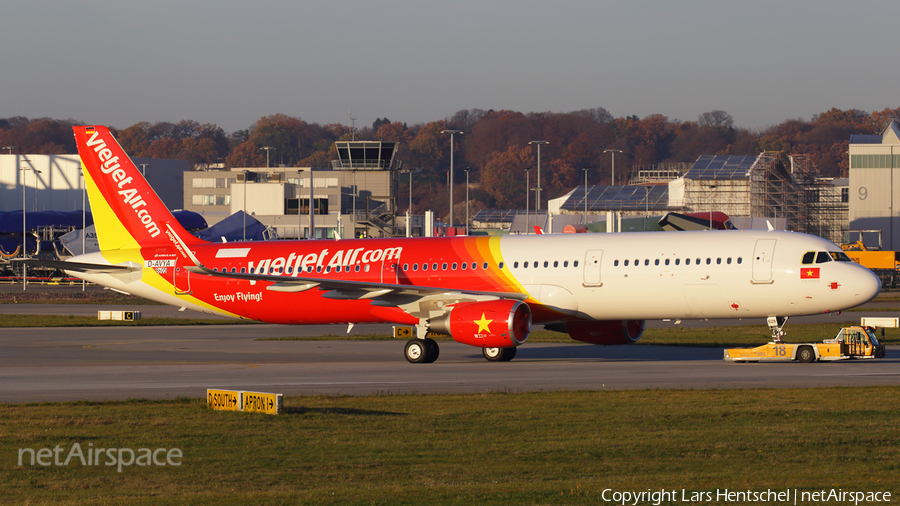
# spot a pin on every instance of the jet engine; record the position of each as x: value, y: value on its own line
x: 487, y: 324
x: 606, y: 332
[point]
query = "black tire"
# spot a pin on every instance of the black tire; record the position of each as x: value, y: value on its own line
x: 416, y: 352
x: 498, y: 354
x: 432, y: 350
x: 806, y: 354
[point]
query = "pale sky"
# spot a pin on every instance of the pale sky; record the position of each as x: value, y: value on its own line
x: 230, y: 63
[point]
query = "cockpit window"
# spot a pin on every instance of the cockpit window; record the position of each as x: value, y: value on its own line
x: 822, y: 257
x: 809, y: 257
x: 839, y: 256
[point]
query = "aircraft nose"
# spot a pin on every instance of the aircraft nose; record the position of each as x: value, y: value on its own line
x: 868, y: 285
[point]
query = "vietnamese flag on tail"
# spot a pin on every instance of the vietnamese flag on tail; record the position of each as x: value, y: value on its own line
x: 809, y: 273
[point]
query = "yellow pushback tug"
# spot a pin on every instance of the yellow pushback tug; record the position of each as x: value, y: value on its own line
x: 851, y: 342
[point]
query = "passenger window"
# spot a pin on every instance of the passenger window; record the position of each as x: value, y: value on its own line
x: 243, y: 270
x: 808, y: 257
x: 616, y: 263
x: 575, y: 263
x: 637, y: 262
x: 555, y: 263
x: 647, y: 261
x: 485, y: 265
x: 405, y: 267
x: 728, y: 261
x: 677, y: 261
x: 698, y: 261
x: 687, y: 261
x: 525, y: 264
x: 740, y: 259
x: 444, y: 266
x: 566, y: 263
x: 357, y: 268
x: 464, y: 265
x: 434, y: 266
x: 454, y: 266
x: 656, y: 262
x: 718, y: 261
x: 546, y: 264
x: 667, y: 261
x: 822, y: 257
x: 515, y: 265
x: 424, y: 266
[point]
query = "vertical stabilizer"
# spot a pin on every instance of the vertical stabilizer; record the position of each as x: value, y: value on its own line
x: 127, y: 212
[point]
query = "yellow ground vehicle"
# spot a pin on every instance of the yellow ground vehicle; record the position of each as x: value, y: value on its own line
x: 851, y: 342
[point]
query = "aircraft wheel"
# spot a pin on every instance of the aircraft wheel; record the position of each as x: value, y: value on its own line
x: 416, y: 351
x: 806, y: 355
x: 498, y: 354
x: 432, y: 350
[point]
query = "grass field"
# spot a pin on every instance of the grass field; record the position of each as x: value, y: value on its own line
x: 533, y: 448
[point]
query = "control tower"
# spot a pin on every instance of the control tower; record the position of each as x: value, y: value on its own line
x: 374, y: 212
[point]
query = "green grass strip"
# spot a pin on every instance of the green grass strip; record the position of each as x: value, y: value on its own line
x: 493, y: 448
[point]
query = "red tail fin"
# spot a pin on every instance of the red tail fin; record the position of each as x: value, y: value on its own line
x: 127, y: 212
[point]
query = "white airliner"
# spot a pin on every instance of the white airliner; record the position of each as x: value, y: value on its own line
x: 482, y: 291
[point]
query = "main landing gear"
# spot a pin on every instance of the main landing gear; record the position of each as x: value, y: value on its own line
x: 426, y: 351
x: 499, y: 354
x: 422, y: 351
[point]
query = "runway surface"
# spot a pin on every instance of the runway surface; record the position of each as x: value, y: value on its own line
x: 113, y: 363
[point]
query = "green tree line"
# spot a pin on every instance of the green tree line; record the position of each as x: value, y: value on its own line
x: 494, y: 146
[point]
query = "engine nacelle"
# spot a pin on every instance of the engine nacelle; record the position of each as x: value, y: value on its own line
x: 606, y: 332
x: 488, y: 324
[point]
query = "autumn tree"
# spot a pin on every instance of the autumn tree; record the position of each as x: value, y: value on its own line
x: 503, y: 176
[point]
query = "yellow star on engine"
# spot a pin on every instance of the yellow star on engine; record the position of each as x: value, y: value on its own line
x: 483, y: 324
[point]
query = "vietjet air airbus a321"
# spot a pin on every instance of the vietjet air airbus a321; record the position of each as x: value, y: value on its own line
x: 482, y: 291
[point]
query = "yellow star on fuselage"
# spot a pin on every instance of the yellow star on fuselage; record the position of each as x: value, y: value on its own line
x: 483, y: 324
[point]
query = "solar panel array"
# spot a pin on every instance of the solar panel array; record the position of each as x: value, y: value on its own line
x: 619, y: 198
x: 721, y: 167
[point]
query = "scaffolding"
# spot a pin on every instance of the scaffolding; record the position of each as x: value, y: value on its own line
x: 773, y: 193
x: 826, y: 202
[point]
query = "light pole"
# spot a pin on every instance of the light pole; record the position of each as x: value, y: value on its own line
x: 267, y: 148
x: 527, y: 200
x: 538, y: 188
x: 24, y: 230
x: 10, y: 148
x: 585, y: 169
x: 143, y: 167
x: 83, y: 220
x: 452, y: 133
x: 244, y: 210
x: 613, y: 151
x: 467, y: 199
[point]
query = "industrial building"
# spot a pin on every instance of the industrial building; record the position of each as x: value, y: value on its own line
x: 53, y: 182
x: 874, y: 189
x: 355, y: 197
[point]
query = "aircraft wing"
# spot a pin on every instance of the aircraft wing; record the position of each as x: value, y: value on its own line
x: 351, y: 290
